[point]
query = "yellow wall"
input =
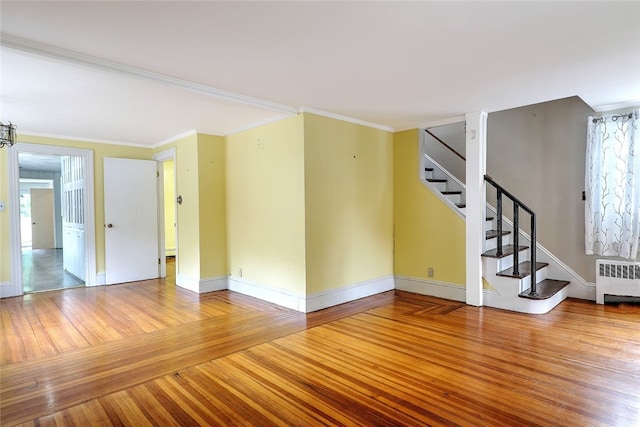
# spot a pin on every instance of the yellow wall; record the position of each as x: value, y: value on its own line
x: 265, y: 205
x: 169, y: 204
x: 427, y: 232
x: 211, y: 182
x: 5, y: 259
x: 348, y: 203
x: 189, y: 210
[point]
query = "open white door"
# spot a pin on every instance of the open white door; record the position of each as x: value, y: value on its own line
x: 131, y: 220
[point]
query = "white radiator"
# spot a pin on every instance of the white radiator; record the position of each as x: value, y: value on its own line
x: 620, y: 278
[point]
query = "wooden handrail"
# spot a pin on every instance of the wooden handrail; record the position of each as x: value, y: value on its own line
x: 445, y: 144
x: 500, y: 190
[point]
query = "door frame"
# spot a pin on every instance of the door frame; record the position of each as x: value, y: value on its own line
x: 162, y: 156
x: 14, y: 208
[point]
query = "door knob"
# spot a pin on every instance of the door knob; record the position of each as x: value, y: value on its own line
x: 109, y: 225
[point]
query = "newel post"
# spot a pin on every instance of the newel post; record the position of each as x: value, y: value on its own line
x: 476, y: 149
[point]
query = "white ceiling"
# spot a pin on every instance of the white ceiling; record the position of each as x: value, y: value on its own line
x: 144, y: 72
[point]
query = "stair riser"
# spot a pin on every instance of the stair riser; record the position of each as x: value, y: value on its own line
x: 526, y: 282
x: 440, y: 186
x: 493, y: 243
x: 455, y: 198
x: 502, y: 264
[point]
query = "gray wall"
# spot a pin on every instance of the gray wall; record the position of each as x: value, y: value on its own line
x: 453, y: 135
x: 538, y: 153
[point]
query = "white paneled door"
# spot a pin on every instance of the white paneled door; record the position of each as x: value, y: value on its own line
x: 130, y: 220
x: 42, y: 224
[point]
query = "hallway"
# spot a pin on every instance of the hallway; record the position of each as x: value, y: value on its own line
x: 42, y: 271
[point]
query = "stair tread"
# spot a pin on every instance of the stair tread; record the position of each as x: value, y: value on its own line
x: 489, y: 218
x: 428, y: 169
x: 507, y: 250
x: 545, y: 289
x: 461, y: 205
x: 451, y: 192
x: 436, y: 180
x: 524, y: 270
x: 491, y: 234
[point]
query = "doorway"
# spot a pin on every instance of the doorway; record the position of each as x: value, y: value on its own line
x: 51, y: 206
x: 167, y: 214
x: 41, y: 225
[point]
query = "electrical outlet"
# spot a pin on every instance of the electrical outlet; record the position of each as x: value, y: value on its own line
x: 430, y: 272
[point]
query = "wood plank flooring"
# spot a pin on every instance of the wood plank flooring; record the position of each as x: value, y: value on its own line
x: 149, y: 353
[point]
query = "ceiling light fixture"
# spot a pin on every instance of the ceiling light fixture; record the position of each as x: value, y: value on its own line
x: 7, y: 134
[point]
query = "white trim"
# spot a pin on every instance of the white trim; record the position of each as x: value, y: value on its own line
x: 476, y: 149
x: 431, y: 287
x: 101, y: 279
x: 14, y: 209
x: 349, y: 293
x: 80, y: 139
x: 168, y: 154
x: 176, y: 138
x: 258, y: 124
x: 15, y: 244
x: 160, y: 157
x: 344, y: 118
x: 188, y: 283
x: 618, y: 106
x: 6, y: 290
x: 211, y: 284
x: 434, y: 123
x: 70, y: 56
x: 200, y: 286
x: 280, y: 297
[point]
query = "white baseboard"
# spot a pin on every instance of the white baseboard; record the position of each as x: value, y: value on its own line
x: 200, y: 286
x: 7, y: 290
x: 276, y: 296
x: 316, y: 301
x: 211, y: 284
x: 431, y: 287
x: 348, y: 293
x: 101, y: 279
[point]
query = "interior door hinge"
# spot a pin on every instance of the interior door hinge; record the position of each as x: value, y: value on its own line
x: 157, y: 174
x: 158, y: 261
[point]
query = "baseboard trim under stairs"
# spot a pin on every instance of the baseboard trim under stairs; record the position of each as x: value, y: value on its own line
x: 512, y: 291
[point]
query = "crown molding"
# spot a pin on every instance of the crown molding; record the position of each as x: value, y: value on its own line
x: 79, y: 139
x: 440, y: 122
x: 344, y: 118
x: 175, y: 138
x: 70, y: 56
x: 620, y: 106
x: 258, y: 124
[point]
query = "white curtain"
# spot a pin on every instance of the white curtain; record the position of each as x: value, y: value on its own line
x: 612, y: 183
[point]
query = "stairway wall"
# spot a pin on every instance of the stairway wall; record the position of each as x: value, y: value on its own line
x: 427, y: 232
x: 538, y: 152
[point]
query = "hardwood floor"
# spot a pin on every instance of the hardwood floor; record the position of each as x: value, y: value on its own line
x: 149, y: 353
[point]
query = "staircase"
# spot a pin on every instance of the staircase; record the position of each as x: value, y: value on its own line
x: 507, y: 270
